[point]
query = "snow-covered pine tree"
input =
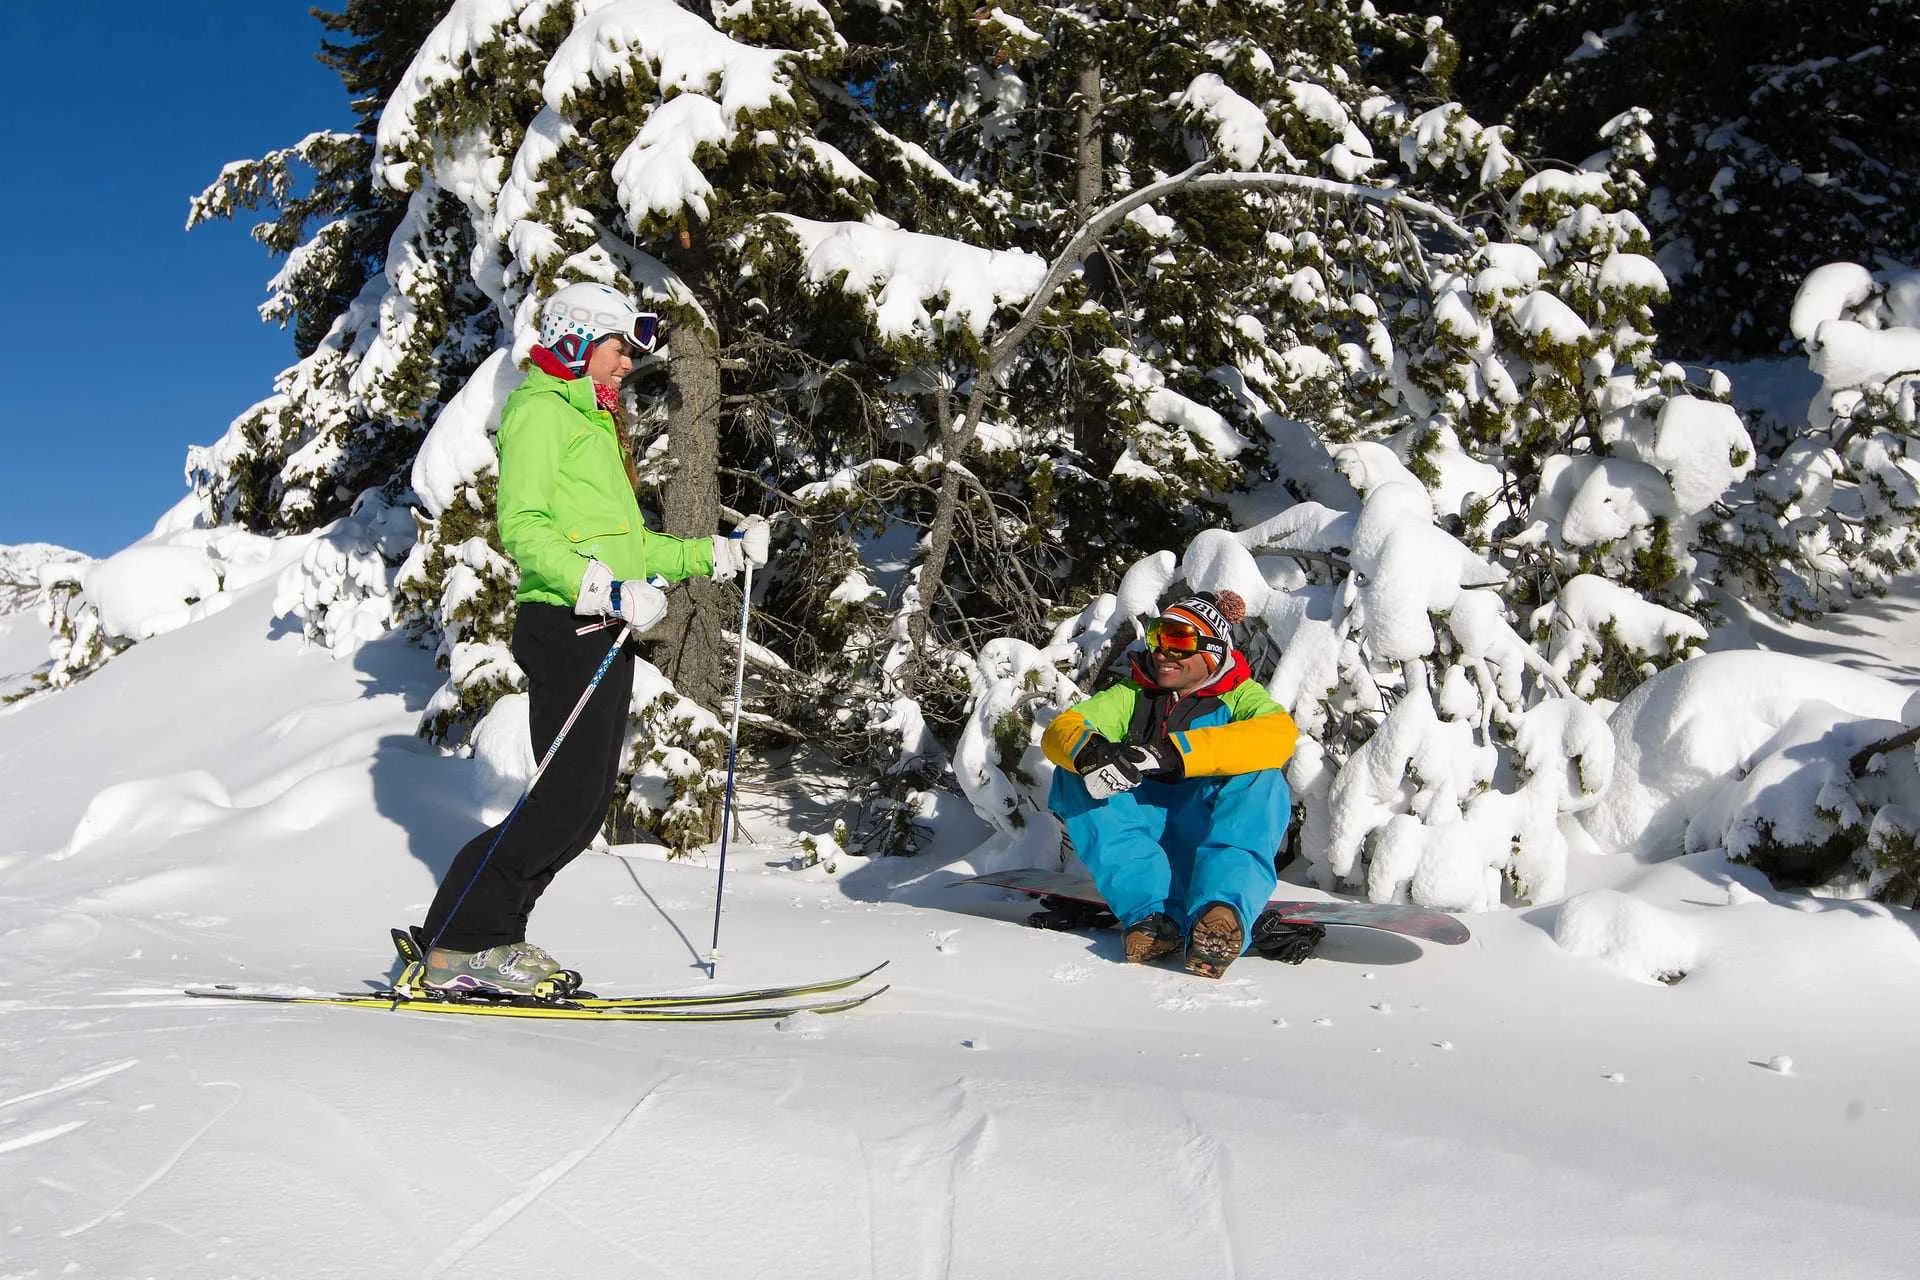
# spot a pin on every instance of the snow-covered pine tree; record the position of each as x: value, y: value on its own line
x: 637, y: 145
x: 1122, y: 415
x: 380, y: 335
x: 841, y: 237
x: 1829, y: 514
x: 1781, y: 138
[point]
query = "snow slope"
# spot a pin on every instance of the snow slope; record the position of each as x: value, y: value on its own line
x: 220, y: 804
x: 23, y: 651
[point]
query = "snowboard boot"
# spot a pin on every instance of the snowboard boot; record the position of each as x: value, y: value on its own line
x: 1149, y: 939
x: 510, y: 969
x: 1215, y: 941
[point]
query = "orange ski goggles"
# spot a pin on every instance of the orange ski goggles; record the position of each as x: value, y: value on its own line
x: 1182, y: 639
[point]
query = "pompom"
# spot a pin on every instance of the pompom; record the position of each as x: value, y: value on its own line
x: 1232, y: 607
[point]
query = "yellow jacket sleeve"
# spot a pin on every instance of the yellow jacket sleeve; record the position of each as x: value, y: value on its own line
x: 1064, y: 737
x: 1260, y: 736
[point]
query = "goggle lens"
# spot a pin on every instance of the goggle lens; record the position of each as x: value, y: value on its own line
x: 1173, y: 637
x: 646, y: 331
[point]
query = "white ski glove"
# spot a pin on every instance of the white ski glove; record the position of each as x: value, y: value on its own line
x: 746, y: 545
x: 639, y: 604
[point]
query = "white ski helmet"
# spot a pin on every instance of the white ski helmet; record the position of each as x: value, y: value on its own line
x: 579, y: 315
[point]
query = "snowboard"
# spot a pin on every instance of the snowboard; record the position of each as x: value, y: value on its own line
x: 1414, y: 922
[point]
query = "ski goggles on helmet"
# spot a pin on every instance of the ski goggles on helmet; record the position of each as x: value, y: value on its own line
x: 645, y: 332
x: 1182, y: 639
x: 640, y: 337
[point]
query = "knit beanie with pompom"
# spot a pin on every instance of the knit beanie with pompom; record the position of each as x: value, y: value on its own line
x: 1212, y: 614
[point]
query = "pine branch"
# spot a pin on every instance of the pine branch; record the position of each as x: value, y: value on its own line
x: 1858, y: 762
x: 1386, y: 197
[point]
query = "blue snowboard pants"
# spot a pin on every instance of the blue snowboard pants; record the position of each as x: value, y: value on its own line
x: 1179, y: 846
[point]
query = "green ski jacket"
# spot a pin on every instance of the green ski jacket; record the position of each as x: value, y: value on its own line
x: 564, y: 497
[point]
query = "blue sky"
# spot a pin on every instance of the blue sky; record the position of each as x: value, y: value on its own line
x: 124, y: 338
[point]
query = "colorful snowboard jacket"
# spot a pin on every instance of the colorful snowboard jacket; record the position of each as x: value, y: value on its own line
x: 1230, y: 726
x: 565, y: 498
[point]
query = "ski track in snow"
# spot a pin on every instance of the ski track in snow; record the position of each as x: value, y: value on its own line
x: 43, y: 1135
x: 167, y: 1165
x: 538, y: 1186
x: 82, y: 1081
x: 913, y: 1177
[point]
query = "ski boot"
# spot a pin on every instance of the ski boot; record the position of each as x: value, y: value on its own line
x: 1148, y: 940
x: 1215, y: 941
x: 510, y: 969
x: 567, y: 981
x: 419, y: 977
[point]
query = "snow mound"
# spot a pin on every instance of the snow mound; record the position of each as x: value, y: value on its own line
x: 1681, y: 734
x: 147, y: 591
x: 1641, y: 941
x: 155, y: 808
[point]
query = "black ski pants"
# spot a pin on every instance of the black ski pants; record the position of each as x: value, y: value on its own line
x: 480, y: 906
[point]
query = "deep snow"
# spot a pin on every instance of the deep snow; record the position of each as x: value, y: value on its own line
x: 221, y: 803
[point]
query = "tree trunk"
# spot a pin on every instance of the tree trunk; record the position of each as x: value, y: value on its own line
x: 1088, y: 156
x: 691, y: 650
x: 1092, y: 422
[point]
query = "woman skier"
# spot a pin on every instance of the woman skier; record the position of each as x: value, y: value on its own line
x: 1171, y: 789
x: 569, y: 518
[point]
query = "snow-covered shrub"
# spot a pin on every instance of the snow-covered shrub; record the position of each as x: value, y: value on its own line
x: 674, y: 767
x: 1830, y: 514
x: 1608, y: 465
x: 79, y: 644
x: 1893, y: 845
x: 1781, y: 761
x: 98, y: 609
x: 998, y: 763
x: 1794, y: 808
x: 1637, y: 938
x: 343, y: 588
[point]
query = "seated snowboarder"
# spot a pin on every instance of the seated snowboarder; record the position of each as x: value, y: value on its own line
x: 1170, y: 784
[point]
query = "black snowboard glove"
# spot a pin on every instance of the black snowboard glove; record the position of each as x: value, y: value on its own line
x: 1168, y: 764
x: 1108, y: 769
x: 1097, y: 752
x: 1288, y: 941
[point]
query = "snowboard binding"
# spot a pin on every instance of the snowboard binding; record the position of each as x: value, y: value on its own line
x: 1288, y: 941
x: 1067, y: 914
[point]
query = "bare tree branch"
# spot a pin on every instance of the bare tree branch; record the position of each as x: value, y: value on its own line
x: 956, y: 436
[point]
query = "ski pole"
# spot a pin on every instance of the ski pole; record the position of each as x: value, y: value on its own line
x: 733, y: 748
x: 605, y: 664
